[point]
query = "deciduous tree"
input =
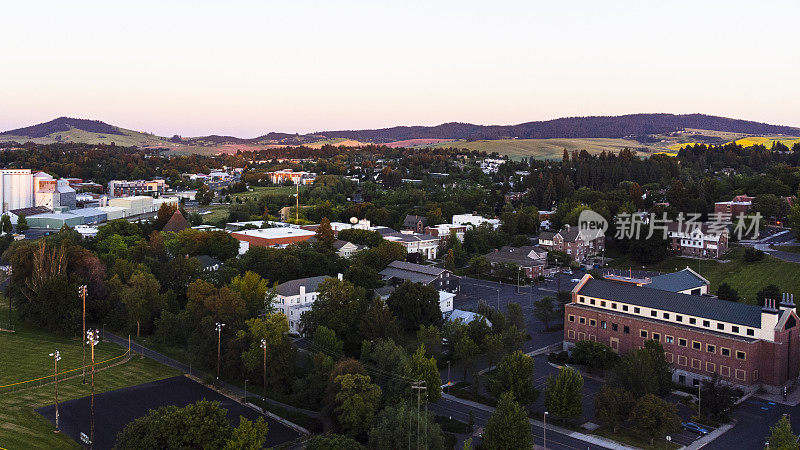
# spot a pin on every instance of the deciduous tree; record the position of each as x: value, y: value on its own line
x: 508, y: 427
x: 515, y: 374
x: 563, y: 394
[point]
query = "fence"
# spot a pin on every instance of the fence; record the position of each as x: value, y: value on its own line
x: 36, y: 382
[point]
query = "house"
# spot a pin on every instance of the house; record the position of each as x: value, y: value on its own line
x: 282, y: 176
x: 464, y: 316
x: 685, y: 281
x: 270, y: 237
x: 531, y: 259
x: 570, y: 241
x: 424, y: 244
x: 209, y: 263
x: 295, y: 297
x: 344, y: 249
x: 443, y: 231
x: 176, y: 222
x: 746, y: 345
x: 700, y: 240
x: 741, y: 204
x: 399, y: 271
x: 474, y: 221
x: 415, y: 223
x: 446, y: 299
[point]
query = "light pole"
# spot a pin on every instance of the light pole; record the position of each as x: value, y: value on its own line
x: 498, y: 300
x: 10, y: 272
x: 264, y: 346
x: 56, y: 358
x: 698, y: 399
x: 245, y: 391
x: 519, y: 270
x: 544, y: 430
x: 92, y: 338
x: 558, y: 275
x: 219, y: 345
x: 82, y: 293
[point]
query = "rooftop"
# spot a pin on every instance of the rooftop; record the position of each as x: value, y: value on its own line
x: 275, y: 233
x: 692, y: 305
x: 292, y: 287
x: 678, y: 281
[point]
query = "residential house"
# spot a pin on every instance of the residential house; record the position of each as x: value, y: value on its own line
x: 415, y: 223
x: 295, y: 297
x: 570, y: 241
x: 398, y: 272
x: 699, y: 240
x: 531, y: 259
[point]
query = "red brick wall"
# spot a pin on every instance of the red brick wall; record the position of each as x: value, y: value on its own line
x: 764, y: 360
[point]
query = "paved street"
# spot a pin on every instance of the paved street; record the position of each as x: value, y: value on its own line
x: 754, y: 417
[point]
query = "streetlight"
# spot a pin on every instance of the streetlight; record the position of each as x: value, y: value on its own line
x: 264, y: 346
x: 10, y: 326
x: 544, y: 430
x: 82, y: 293
x: 56, y: 358
x: 498, y: 300
x: 219, y: 344
x: 92, y: 338
x: 245, y: 391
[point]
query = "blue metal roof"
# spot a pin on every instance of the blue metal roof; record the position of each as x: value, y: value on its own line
x: 677, y: 281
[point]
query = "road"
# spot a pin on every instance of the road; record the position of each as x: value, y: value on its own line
x: 782, y: 237
x: 754, y: 417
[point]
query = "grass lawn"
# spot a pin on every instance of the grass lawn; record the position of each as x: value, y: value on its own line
x: 221, y: 211
x: 787, y: 248
x: 22, y: 427
x: 746, y: 278
x: 626, y: 436
x: 24, y: 354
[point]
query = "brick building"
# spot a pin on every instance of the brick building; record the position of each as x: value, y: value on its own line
x: 747, y: 345
x: 531, y: 259
x: 271, y: 237
x: 570, y: 241
x: 698, y: 240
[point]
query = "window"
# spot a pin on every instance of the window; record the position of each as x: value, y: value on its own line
x: 592, y: 322
x: 734, y: 329
x: 603, y: 304
x: 721, y: 326
x: 711, y: 348
x: 706, y: 323
x: 696, y: 345
x: 613, y: 306
x: 591, y: 301
x: 656, y: 337
x: 624, y: 307
x: 740, y: 355
x: 679, y: 317
x: 682, y: 342
x: 626, y: 329
x: 668, y: 339
x: 653, y: 313
x: 614, y: 326
x: 750, y: 332
x: 603, y: 324
x: 636, y: 310
x: 582, y: 319
x: 665, y: 315
x: 643, y: 333
x: 692, y: 321
x: 571, y: 318
x: 581, y: 299
x: 725, y: 351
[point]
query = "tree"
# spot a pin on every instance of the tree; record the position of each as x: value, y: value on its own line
x: 254, y: 291
x: 378, y: 322
x: 248, y: 435
x: 165, y: 212
x: 612, y: 406
x: 595, y: 355
x: 726, y: 292
x: 644, y: 371
x: 515, y: 374
x: 794, y: 219
x: 325, y: 236
x: 332, y: 440
x: 716, y: 398
x: 325, y: 341
x: 753, y: 255
x: 431, y: 337
x: 5, y: 224
x: 508, y: 427
x: 655, y: 417
x: 422, y: 368
x: 200, y: 425
x: 466, y: 351
x: 388, y: 363
x: 340, y: 306
x: 770, y: 292
x: 204, y: 195
x: 781, y: 435
x: 142, y: 298
x: 357, y: 403
x: 545, y: 310
x: 397, y: 424
x: 563, y: 394
x: 493, y: 347
x: 22, y: 224
x: 415, y: 304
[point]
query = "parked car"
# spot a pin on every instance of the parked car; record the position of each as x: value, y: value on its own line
x: 691, y: 426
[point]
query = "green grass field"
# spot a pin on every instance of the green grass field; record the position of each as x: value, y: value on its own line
x: 22, y: 427
x: 746, y: 278
x: 220, y: 212
x: 550, y: 148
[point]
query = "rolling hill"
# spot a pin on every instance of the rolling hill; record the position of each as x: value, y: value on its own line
x: 647, y: 133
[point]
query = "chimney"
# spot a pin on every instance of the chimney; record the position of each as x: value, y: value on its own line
x: 787, y: 302
x: 340, y: 277
x: 769, y: 317
x: 302, y: 294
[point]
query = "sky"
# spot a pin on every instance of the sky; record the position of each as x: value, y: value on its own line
x: 245, y: 68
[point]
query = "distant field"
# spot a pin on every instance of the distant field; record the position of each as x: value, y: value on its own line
x: 746, y: 278
x: 221, y: 211
x: 549, y: 148
x: 129, y: 138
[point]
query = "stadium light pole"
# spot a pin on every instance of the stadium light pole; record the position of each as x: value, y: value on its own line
x: 219, y: 345
x: 92, y: 338
x: 56, y: 358
x: 264, y: 346
x: 82, y: 293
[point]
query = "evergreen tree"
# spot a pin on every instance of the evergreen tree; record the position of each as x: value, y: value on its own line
x: 22, y: 224
x: 782, y: 437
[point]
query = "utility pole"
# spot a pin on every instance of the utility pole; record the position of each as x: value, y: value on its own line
x: 92, y: 338
x: 82, y: 293
x: 544, y: 430
x: 297, y: 203
x: 420, y: 386
x: 264, y: 346
x: 219, y: 345
x: 56, y: 358
x: 448, y: 376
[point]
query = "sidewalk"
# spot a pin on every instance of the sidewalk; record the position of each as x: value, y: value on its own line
x: 590, y: 439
